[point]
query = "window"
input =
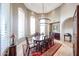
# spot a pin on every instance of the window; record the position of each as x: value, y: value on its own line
x: 42, y: 26
x: 32, y: 25
x: 5, y: 26
x: 21, y: 20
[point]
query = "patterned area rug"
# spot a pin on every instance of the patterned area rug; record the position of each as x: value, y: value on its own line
x: 52, y: 50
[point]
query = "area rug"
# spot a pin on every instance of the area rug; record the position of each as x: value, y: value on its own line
x: 50, y: 52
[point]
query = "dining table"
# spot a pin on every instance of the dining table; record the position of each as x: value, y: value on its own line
x: 38, y: 39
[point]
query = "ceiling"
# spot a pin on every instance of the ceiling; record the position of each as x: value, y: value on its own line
x: 38, y: 7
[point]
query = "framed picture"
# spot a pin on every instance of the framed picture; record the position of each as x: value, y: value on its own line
x: 56, y: 27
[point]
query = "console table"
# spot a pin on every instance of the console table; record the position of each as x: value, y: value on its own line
x: 12, y: 50
x: 67, y: 35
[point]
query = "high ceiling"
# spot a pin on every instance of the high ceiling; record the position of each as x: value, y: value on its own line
x: 38, y: 7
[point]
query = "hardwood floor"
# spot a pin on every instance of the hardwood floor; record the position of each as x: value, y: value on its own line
x: 65, y: 50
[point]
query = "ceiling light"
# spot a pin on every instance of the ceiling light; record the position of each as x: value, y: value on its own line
x: 43, y: 16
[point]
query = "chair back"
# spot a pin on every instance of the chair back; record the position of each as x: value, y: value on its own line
x: 27, y: 41
x: 45, y: 37
x: 51, y: 38
x: 26, y: 48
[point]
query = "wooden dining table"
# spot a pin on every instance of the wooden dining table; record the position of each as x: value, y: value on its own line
x: 38, y: 39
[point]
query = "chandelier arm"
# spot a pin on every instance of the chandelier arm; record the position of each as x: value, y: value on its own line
x: 43, y: 7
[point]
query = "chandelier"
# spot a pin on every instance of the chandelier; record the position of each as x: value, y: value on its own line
x: 43, y: 15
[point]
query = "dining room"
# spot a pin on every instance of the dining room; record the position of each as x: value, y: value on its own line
x: 37, y: 29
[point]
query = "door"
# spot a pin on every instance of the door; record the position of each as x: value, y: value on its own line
x: 76, y: 32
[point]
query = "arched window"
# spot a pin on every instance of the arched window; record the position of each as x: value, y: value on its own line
x: 21, y: 20
x: 42, y: 26
x: 32, y: 25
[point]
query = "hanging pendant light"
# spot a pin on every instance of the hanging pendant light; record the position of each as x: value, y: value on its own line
x: 43, y: 16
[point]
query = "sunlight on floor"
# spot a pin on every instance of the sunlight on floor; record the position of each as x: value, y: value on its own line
x: 65, y: 50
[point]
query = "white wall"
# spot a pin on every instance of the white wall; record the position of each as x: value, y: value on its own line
x: 66, y: 11
x: 54, y: 15
x: 68, y: 26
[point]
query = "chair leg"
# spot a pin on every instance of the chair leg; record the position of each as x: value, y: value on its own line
x: 28, y: 52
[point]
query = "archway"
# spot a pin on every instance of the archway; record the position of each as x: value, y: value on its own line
x: 67, y: 26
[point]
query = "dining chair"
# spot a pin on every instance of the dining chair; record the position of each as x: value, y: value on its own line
x: 44, y: 44
x: 51, y: 40
x: 30, y: 49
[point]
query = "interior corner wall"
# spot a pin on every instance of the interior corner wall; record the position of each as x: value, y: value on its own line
x: 46, y: 29
x: 14, y: 18
x: 27, y: 26
x: 37, y: 24
x: 54, y: 15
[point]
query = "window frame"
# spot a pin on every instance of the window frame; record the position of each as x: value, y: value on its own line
x: 32, y: 25
x: 21, y: 23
